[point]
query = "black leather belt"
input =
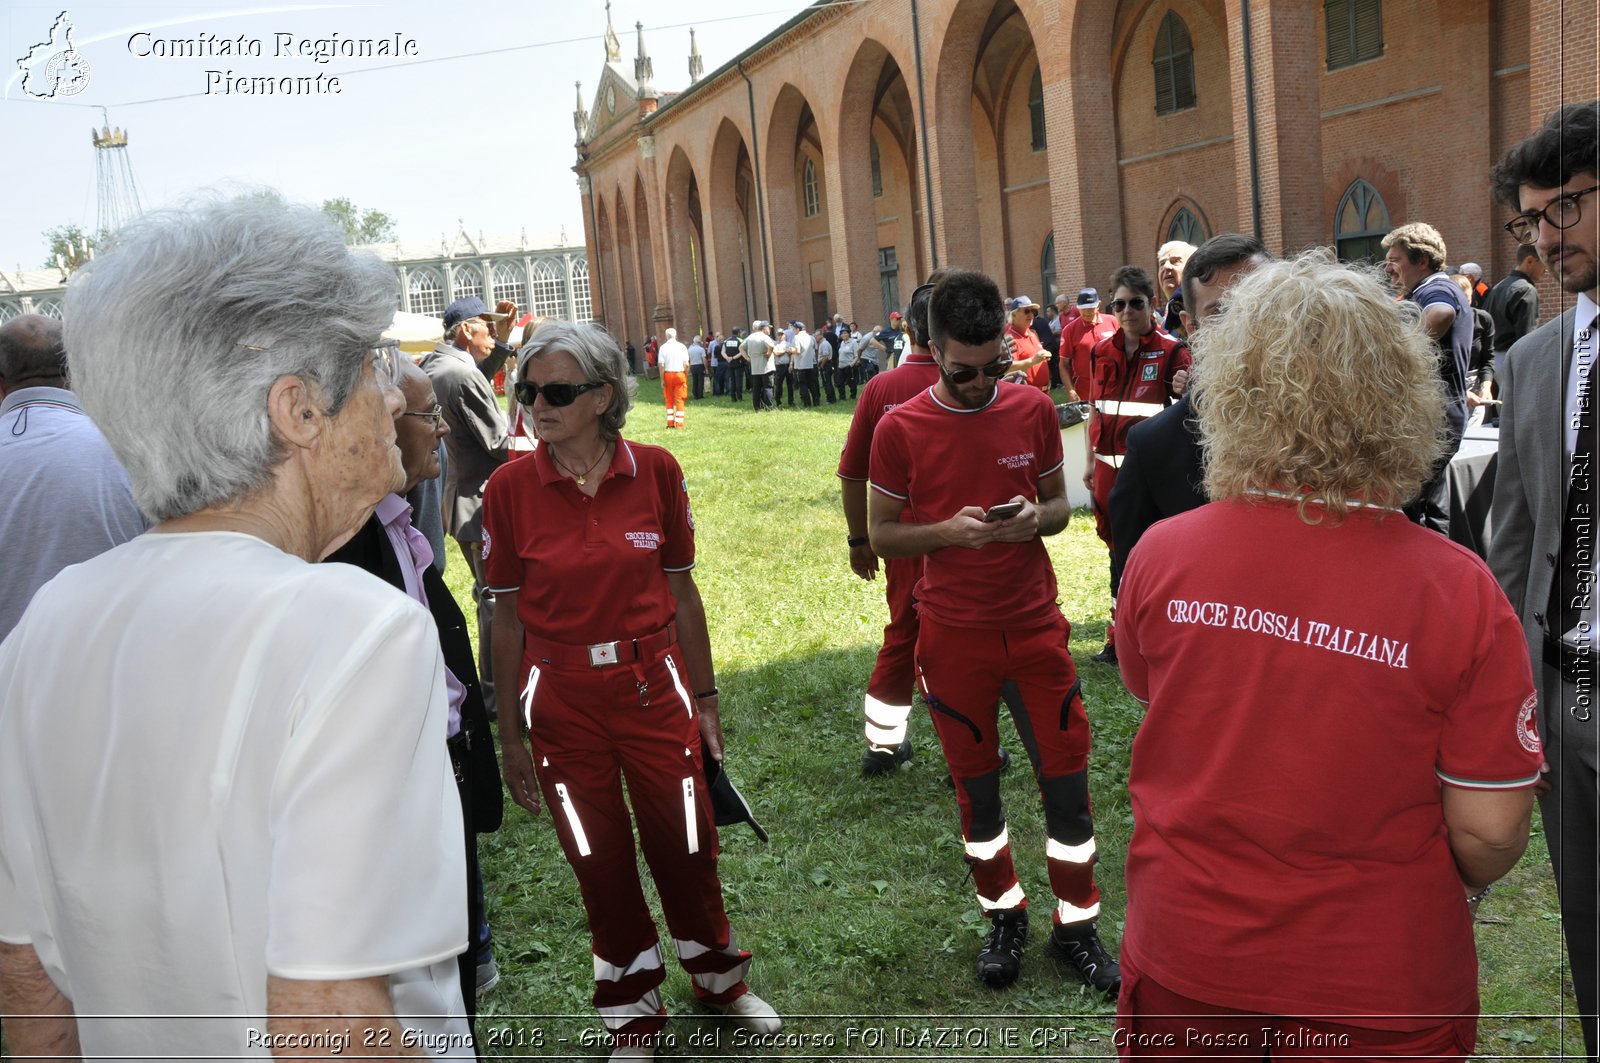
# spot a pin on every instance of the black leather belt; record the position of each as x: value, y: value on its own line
x: 1576, y: 665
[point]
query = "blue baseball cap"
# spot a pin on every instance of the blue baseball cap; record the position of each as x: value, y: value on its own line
x: 1021, y: 302
x: 1088, y: 297
x: 467, y: 307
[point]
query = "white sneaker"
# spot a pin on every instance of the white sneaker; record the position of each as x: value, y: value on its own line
x: 751, y: 1012
x: 647, y: 1050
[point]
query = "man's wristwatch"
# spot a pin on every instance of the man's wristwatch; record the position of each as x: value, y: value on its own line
x: 855, y: 541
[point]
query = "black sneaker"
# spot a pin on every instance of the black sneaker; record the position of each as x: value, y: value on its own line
x: 1106, y: 656
x: 1079, y: 945
x: 883, y: 761
x: 1005, y: 766
x: 1001, y: 959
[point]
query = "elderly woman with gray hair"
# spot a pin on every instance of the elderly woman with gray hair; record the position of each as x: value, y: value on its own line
x: 593, y: 539
x: 1340, y: 751
x: 227, y: 802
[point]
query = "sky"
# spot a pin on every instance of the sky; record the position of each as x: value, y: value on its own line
x: 471, y: 126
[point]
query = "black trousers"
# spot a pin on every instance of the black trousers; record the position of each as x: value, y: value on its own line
x: 761, y: 391
x: 697, y: 381
x: 736, y: 374
x: 808, y: 388
x: 719, y: 379
x: 825, y: 370
x: 847, y: 379
x: 784, y: 377
x: 467, y: 962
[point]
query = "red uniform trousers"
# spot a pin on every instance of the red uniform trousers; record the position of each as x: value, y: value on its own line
x: 675, y: 390
x: 1153, y: 1022
x: 589, y: 727
x: 964, y: 673
x: 1105, y: 477
x: 894, y: 677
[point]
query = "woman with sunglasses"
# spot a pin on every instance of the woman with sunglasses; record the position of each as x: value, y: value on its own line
x: 593, y: 538
x: 1137, y: 371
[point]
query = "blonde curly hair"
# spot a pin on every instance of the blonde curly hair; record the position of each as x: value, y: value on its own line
x: 1314, y: 382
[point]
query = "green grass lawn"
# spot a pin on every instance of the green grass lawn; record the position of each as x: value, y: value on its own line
x: 860, y: 913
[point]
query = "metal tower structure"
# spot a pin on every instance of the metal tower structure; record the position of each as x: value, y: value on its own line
x: 118, y: 193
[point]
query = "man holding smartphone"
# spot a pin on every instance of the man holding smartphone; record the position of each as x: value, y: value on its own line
x: 942, y: 463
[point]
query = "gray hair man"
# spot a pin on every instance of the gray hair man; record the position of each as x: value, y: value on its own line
x: 67, y: 497
x: 461, y: 367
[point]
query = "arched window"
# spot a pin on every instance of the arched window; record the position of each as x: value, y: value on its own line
x: 548, y: 291
x: 9, y: 311
x: 877, y: 168
x: 1355, y: 31
x: 1174, y: 66
x: 425, y: 291
x: 1047, y: 271
x: 1036, y: 110
x: 1187, y: 227
x: 808, y: 182
x: 48, y: 307
x: 468, y: 281
x: 509, y: 283
x: 1361, y: 224
x: 581, y: 310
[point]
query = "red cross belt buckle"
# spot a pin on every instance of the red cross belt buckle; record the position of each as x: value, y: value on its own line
x: 602, y: 654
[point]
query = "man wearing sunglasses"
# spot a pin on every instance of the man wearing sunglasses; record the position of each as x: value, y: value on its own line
x: 1135, y: 373
x: 1545, y: 504
x: 943, y: 463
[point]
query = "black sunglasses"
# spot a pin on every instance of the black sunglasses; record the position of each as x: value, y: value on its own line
x: 1136, y: 303
x: 966, y: 373
x: 554, y: 394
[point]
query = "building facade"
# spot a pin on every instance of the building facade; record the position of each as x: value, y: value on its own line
x: 837, y: 161
x: 550, y: 281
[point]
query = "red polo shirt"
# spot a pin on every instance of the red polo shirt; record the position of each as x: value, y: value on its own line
x: 1310, y: 689
x: 1078, y: 338
x: 1026, y: 344
x: 915, y: 374
x: 584, y: 569
x: 938, y: 459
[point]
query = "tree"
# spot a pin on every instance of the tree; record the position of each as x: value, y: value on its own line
x: 360, y: 226
x: 71, y: 244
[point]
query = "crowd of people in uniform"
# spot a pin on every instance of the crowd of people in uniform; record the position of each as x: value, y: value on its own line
x: 1348, y: 716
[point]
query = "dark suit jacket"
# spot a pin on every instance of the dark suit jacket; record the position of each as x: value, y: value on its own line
x: 370, y: 550
x: 1159, y: 478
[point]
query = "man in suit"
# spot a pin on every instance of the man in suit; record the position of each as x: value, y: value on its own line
x: 1160, y: 475
x: 389, y: 547
x: 1545, y: 505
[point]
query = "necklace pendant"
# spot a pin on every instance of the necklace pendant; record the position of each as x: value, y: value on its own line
x: 582, y: 481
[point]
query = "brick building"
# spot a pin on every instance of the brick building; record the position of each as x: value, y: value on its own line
x: 1062, y: 139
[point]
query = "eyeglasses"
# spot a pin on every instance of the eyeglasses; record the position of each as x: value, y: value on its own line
x: 1562, y: 213
x: 386, y: 364
x: 1136, y: 303
x: 554, y: 394
x: 434, y: 415
x: 967, y: 373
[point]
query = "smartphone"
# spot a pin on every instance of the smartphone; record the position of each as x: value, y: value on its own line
x: 1004, y: 511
